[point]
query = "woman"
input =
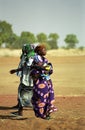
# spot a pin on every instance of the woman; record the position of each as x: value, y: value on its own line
x: 26, y: 83
x: 43, y: 93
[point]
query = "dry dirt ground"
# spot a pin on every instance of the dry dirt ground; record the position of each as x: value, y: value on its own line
x: 70, y: 114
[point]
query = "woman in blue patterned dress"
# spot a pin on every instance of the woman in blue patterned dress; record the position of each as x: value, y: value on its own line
x: 43, y: 93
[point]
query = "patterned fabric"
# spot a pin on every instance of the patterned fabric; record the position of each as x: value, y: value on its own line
x: 38, y: 58
x: 43, y: 93
x: 45, y: 74
x: 24, y: 95
x: 26, y: 82
x: 40, y: 98
x: 27, y: 56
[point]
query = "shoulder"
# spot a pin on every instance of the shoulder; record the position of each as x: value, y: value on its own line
x: 37, y: 58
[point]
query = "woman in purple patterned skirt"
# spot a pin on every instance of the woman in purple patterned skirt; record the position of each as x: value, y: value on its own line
x: 43, y: 93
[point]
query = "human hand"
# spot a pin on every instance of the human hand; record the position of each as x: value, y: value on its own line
x: 12, y: 71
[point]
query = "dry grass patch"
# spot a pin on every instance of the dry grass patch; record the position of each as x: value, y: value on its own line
x: 63, y: 52
x: 57, y: 52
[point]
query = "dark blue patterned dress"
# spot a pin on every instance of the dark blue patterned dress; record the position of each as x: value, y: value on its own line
x: 43, y: 93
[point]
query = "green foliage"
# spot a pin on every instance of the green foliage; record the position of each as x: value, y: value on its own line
x: 28, y: 37
x: 5, y: 27
x: 71, y: 41
x: 81, y: 48
x: 41, y: 37
x: 0, y: 41
x: 53, y: 37
x: 11, y: 40
x: 63, y: 47
x: 5, y: 31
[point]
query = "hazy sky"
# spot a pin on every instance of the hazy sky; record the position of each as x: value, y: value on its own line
x: 48, y: 16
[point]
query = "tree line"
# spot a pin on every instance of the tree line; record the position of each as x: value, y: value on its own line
x: 10, y: 40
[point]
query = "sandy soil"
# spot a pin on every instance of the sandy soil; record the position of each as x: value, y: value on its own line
x: 70, y: 114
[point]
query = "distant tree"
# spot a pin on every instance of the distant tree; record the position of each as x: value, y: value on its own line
x: 5, y: 31
x: 71, y: 41
x: 17, y: 43
x: 27, y: 37
x: 0, y: 41
x: 53, y: 37
x: 12, y: 41
x: 81, y: 48
x: 41, y: 37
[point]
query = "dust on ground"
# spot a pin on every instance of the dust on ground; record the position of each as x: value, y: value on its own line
x: 70, y: 115
x: 71, y: 109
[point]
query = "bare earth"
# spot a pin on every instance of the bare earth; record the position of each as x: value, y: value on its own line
x: 71, y: 109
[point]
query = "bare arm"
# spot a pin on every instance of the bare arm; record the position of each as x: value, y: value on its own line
x: 15, y: 70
